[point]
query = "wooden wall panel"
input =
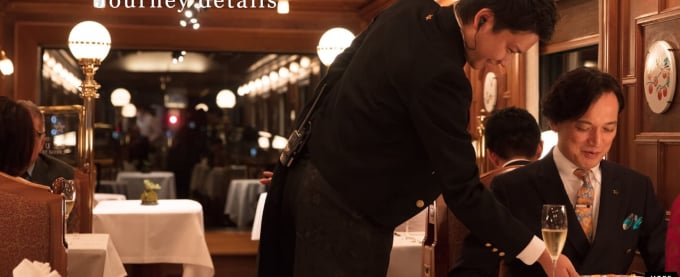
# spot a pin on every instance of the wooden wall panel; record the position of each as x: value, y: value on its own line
x: 668, y: 187
x: 672, y: 4
x: 578, y: 18
x: 651, y: 29
x: 647, y: 162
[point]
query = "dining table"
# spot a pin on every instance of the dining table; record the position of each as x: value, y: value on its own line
x: 170, y: 232
x: 133, y: 182
x: 241, y: 201
x: 93, y: 255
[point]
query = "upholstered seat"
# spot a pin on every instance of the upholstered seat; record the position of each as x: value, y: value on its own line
x: 31, y: 226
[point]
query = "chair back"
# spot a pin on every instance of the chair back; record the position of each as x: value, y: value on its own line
x: 445, y: 234
x: 31, y: 227
x: 80, y: 219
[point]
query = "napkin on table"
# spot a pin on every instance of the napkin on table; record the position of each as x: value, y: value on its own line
x: 27, y: 268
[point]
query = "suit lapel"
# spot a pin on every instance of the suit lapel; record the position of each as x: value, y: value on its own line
x: 611, y: 194
x: 552, y: 190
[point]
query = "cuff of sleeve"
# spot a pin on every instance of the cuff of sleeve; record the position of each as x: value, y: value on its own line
x: 532, y: 251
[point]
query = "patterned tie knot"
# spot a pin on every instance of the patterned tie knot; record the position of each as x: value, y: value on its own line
x: 582, y: 174
x: 584, y: 202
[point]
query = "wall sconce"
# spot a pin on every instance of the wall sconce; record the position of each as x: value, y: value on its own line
x: 283, y: 7
x: 6, y: 65
x: 332, y: 43
x: 89, y: 43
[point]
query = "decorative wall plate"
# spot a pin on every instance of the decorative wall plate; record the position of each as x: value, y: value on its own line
x: 659, y: 76
x: 490, y: 91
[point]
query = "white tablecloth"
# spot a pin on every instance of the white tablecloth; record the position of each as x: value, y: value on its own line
x: 98, y: 197
x: 170, y: 232
x: 406, y: 258
x: 242, y: 201
x: 93, y: 255
x: 134, y: 183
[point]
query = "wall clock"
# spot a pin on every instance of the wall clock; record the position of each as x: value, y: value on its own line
x: 659, y: 76
x: 490, y: 91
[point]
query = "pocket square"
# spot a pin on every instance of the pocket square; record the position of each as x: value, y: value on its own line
x: 632, y: 221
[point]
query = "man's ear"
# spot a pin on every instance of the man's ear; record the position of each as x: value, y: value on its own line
x: 539, y: 150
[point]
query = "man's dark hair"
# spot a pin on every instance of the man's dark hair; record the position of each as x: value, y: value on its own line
x: 573, y: 93
x: 17, y: 137
x: 512, y: 132
x: 536, y: 16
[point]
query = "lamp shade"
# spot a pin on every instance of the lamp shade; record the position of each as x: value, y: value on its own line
x: 6, y: 65
x: 332, y: 43
x: 89, y: 40
x: 120, y: 97
x: 129, y: 110
x: 226, y: 99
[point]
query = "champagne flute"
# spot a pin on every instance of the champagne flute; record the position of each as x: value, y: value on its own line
x: 554, y: 230
x: 69, y: 193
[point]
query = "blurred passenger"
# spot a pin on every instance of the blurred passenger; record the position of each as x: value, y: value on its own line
x: 17, y: 139
x: 673, y: 238
x: 512, y: 139
x: 43, y: 169
x: 612, y: 211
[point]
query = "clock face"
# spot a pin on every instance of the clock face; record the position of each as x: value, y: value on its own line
x: 490, y: 91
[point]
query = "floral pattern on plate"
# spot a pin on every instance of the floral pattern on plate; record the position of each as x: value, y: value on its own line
x: 659, y: 76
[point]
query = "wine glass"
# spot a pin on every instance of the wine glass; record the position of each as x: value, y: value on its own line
x: 69, y: 192
x: 554, y: 230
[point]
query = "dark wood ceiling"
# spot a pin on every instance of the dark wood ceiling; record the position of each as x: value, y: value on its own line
x: 231, y: 38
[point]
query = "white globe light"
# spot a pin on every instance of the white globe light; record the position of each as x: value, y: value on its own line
x: 332, y: 43
x: 120, y: 97
x: 89, y: 40
x: 129, y: 110
x: 226, y: 99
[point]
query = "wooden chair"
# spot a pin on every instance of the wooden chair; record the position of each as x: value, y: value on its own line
x: 445, y: 234
x: 31, y: 227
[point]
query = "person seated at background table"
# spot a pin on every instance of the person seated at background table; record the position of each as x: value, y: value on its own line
x: 43, y: 169
x: 624, y: 213
x: 513, y: 139
x: 17, y: 140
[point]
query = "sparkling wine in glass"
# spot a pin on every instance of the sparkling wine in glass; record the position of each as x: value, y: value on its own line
x: 69, y: 193
x: 554, y: 230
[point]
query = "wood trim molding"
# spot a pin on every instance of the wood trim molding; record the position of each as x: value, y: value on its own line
x: 570, y: 44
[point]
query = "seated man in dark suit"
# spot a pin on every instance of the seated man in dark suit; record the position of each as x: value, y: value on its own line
x: 513, y: 139
x: 612, y: 211
x: 43, y: 169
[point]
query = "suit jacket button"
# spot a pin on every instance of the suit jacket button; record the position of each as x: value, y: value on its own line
x: 494, y: 250
x: 420, y: 203
x: 433, y: 172
x: 629, y: 250
x: 501, y: 254
x: 487, y: 244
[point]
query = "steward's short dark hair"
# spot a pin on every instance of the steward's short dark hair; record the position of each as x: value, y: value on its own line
x: 536, y: 16
x: 17, y: 137
x: 573, y: 93
x: 512, y: 132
